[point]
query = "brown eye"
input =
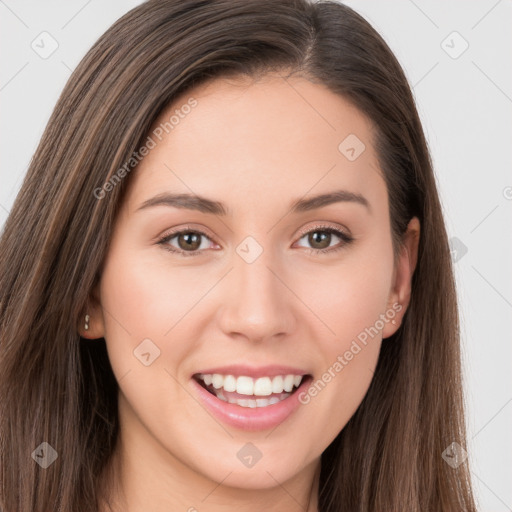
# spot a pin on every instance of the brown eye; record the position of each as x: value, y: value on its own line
x: 189, y: 240
x: 319, y: 239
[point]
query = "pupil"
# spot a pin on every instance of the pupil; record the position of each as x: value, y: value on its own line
x: 323, y: 236
x: 190, y: 243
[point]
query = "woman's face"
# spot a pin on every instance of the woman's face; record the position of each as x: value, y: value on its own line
x: 246, y: 293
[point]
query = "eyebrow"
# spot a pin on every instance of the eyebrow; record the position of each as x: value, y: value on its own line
x: 205, y: 205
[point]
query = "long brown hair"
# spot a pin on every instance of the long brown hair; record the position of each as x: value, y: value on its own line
x: 58, y: 388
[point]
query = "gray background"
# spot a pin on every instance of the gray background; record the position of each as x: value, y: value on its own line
x: 465, y: 102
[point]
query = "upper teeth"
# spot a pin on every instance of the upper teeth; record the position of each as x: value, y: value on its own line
x: 262, y: 386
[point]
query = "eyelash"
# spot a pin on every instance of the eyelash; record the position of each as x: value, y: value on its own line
x: 346, y: 240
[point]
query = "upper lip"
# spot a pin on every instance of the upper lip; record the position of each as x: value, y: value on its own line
x: 238, y: 370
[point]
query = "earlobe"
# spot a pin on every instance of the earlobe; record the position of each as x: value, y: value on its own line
x: 400, y: 294
x: 91, y: 325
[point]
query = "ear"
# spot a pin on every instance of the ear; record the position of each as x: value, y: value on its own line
x: 402, y: 277
x: 96, y: 320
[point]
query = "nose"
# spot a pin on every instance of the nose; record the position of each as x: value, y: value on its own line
x: 256, y: 302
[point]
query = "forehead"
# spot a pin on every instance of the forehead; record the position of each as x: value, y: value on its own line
x: 254, y: 140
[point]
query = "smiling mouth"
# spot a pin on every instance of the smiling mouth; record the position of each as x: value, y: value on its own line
x: 248, y: 392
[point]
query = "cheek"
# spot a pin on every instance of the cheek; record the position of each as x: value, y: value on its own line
x: 349, y: 297
x: 143, y: 297
x: 351, y: 300
x: 137, y: 306
x: 142, y: 313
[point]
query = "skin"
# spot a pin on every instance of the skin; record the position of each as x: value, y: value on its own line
x: 256, y: 147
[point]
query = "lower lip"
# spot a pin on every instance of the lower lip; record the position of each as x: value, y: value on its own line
x: 247, y: 418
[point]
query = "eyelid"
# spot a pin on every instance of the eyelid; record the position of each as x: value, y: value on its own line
x: 324, y: 225
x: 187, y: 227
x: 303, y: 231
